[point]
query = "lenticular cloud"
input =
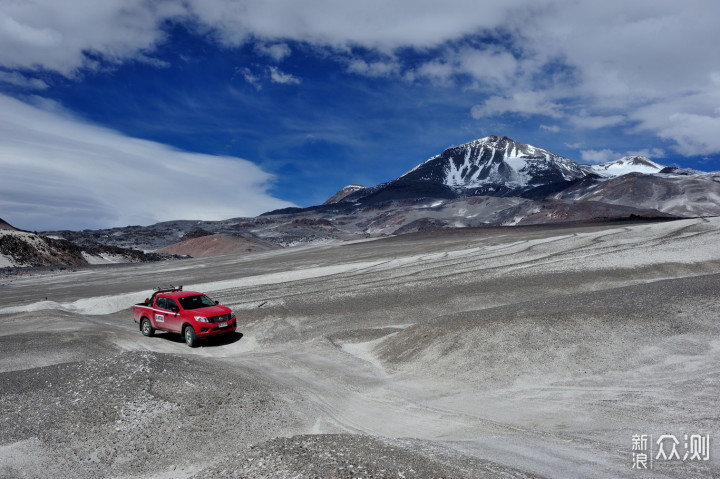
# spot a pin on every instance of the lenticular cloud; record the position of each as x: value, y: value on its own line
x: 59, y: 172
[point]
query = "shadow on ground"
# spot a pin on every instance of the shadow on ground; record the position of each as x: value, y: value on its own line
x: 214, y: 341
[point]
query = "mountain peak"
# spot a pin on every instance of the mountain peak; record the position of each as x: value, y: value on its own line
x: 344, y: 192
x: 640, y: 161
x: 491, y: 164
x: 490, y: 141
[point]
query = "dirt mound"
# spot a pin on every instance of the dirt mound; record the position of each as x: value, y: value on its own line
x: 218, y: 244
x: 555, y: 335
x: 120, y: 415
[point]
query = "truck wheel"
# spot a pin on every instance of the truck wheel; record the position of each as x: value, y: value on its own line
x: 146, y: 328
x: 190, y: 336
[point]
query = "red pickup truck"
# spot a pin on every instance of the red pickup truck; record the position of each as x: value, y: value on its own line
x: 189, y: 313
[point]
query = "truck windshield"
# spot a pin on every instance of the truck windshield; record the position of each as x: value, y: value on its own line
x: 196, y: 302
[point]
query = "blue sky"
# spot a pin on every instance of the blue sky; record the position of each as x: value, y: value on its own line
x: 133, y: 111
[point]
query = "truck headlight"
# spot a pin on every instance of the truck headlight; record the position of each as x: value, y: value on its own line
x: 201, y: 319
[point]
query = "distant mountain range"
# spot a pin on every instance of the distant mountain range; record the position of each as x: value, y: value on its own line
x: 493, y: 181
x: 23, y: 248
x: 499, y: 166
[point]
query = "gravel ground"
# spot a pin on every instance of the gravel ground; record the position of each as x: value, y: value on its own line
x: 528, y: 352
x: 350, y: 456
x: 128, y: 413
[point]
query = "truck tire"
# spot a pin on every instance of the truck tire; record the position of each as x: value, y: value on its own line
x: 146, y: 328
x: 190, y: 336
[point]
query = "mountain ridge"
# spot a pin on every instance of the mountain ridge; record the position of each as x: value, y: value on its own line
x: 25, y: 249
x: 492, y: 181
x: 493, y: 166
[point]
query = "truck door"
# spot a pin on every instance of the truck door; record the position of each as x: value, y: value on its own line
x: 165, y: 317
x: 173, y: 319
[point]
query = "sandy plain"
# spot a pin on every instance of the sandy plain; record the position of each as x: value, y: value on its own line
x: 501, y: 352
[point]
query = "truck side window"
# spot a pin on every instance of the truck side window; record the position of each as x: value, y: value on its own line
x: 160, y: 303
x: 171, y: 305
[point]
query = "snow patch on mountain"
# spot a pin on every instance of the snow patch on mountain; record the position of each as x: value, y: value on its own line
x: 6, y: 261
x: 628, y: 164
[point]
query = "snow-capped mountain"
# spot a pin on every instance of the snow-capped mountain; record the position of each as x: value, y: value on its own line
x: 628, y: 164
x: 496, y: 161
x: 491, y: 166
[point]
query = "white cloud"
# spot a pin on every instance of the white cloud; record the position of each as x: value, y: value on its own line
x: 611, y: 58
x: 595, y: 122
x: 260, y: 75
x: 488, y: 66
x: 550, y: 128
x: 59, y: 172
x: 56, y: 35
x: 276, y: 76
x: 374, y: 69
x: 21, y: 80
x: 599, y: 156
x: 691, y: 121
x: 493, y: 66
x: 693, y: 134
x: 155, y: 62
x: 650, y: 153
x: 436, y: 70
x: 523, y: 103
x: 642, y: 60
x: 375, y: 24
x: 250, y: 77
x: 606, y: 155
x: 277, y: 51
